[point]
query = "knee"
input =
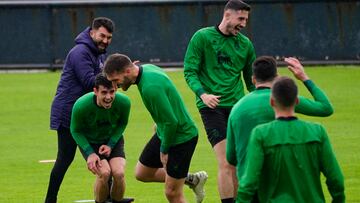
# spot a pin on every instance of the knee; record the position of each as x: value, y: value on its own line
x: 172, y: 193
x: 140, y: 173
x: 65, y: 158
x: 104, y: 174
x: 226, y: 168
x: 63, y: 162
x: 118, y: 175
x: 140, y: 176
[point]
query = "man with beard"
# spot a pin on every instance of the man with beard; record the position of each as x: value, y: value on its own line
x: 98, y: 121
x: 215, y: 59
x: 82, y: 64
x: 166, y: 157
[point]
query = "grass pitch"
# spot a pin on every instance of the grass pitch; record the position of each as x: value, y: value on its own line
x: 25, y: 101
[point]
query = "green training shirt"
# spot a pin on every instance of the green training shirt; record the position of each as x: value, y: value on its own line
x: 285, y: 158
x: 163, y: 101
x: 97, y: 125
x: 214, y: 63
x: 254, y: 109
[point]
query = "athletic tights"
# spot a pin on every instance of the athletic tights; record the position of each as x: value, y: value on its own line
x: 65, y: 155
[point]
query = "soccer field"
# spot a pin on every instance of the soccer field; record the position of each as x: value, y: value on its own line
x: 26, y: 139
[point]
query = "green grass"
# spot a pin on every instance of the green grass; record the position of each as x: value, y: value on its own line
x: 25, y: 101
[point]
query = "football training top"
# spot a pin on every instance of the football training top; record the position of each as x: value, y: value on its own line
x: 254, y: 109
x: 163, y: 101
x: 93, y: 124
x: 214, y: 63
x: 285, y: 158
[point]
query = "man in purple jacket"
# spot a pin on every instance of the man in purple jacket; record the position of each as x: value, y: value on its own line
x: 83, y: 62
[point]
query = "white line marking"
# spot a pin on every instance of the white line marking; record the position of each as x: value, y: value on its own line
x: 84, y: 200
x: 47, y: 161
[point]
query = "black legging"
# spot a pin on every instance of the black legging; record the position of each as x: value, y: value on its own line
x: 65, y: 155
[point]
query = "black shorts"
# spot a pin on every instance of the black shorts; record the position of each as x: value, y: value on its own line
x: 215, y: 122
x: 179, y: 156
x: 117, y: 151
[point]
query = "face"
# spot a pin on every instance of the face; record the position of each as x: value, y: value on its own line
x: 104, y: 96
x: 235, y: 21
x: 101, y: 37
x: 122, y: 80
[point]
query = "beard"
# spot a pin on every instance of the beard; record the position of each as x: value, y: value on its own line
x: 233, y: 29
x: 126, y: 84
x: 125, y: 87
x: 101, y: 46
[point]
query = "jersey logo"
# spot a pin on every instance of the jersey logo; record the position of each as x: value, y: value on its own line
x: 103, y: 123
x: 223, y: 58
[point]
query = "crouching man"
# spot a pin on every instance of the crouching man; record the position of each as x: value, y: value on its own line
x: 98, y: 121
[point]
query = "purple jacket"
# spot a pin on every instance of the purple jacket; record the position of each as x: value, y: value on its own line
x: 82, y: 64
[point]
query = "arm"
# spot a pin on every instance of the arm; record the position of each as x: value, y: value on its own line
x: 192, y: 64
x: 254, y: 161
x: 84, y: 69
x: 230, y: 144
x: 76, y: 132
x: 247, y: 71
x: 161, y: 110
x: 321, y: 105
x: 122, y: 122
x: 331, y: 170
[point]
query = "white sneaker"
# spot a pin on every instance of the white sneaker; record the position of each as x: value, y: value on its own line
x: 199, y: 187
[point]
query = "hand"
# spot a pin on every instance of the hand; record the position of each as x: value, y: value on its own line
x: 164, y: 159
x: 94, y: 163
x: 105, y: 150
x: 296, y: 68
x: 210, y: 100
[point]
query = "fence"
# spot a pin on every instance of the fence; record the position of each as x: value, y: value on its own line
x: 38, y: 34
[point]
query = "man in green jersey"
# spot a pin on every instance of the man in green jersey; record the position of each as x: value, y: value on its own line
x: 254, y: 108
x: 166, y: 157
x: 97, y: 124
x: 286, y: 156
x: 215, y: 59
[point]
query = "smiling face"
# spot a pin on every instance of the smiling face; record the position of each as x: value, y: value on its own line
x: 104, y: 96
x: 101, y: 37
x: 235, y: 20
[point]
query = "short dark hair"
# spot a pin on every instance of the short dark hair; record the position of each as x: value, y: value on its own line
x: 284, y: 91
x: 264, y: 69
x: 237, y: 5
x: 101, y: 79
x: 116, y: 63
x: 104, y: 22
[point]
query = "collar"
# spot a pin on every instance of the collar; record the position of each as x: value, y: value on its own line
x: 217, y: 29
x: 290, y: 118
x: 139, y: 75
x: 262, y: 88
